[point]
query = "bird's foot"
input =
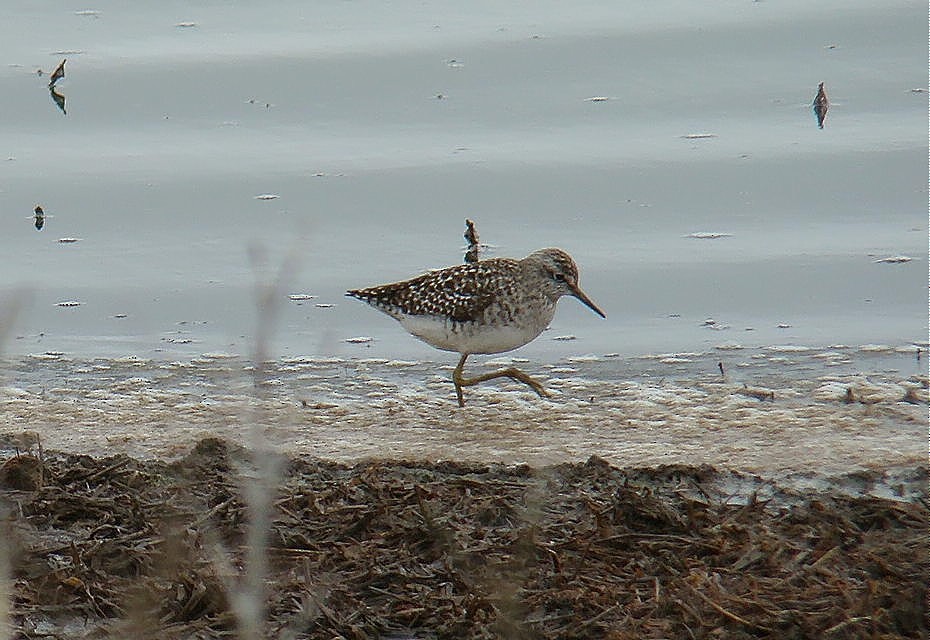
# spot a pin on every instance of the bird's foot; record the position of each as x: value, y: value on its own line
x: 514, y: 374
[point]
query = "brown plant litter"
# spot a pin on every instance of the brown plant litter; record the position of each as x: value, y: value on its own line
x: 119, y: 548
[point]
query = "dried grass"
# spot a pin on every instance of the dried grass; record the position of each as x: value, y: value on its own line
x: 391, y: 549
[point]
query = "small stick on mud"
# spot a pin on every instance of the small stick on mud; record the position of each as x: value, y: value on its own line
x: 471, y: 234
x: 105, y: 471
x: 732, y: 616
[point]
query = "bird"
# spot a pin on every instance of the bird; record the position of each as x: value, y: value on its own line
x: 483, y: 307
x: 39, y: 217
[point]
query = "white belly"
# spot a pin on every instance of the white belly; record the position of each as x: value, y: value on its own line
x: 469, y: 337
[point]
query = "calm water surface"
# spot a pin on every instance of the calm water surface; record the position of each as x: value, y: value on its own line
x: 381, y: 127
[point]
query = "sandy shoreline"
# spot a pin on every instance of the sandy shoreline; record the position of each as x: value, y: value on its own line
x: 776, y: 413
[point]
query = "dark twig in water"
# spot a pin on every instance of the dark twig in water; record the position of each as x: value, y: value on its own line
x: 821, y: 105
x: 471, y: 234
x: 58, y: 73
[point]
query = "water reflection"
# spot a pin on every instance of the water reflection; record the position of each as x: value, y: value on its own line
x: 821, y: 105
x: 58, y: 99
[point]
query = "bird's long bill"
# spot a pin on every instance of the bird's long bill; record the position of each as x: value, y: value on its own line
x: 578, y: 293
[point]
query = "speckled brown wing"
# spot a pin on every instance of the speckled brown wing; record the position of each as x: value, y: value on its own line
x: 460, y: 293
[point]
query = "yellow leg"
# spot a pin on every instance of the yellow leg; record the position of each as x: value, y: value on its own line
x: 514, y: 374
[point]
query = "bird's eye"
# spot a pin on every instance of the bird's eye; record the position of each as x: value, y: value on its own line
x: 559, y: 277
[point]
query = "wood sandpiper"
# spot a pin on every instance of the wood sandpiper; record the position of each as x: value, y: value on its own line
x: 484, y: 307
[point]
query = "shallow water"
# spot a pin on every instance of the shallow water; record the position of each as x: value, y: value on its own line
x: 663, y: 408
x: 172, y: 131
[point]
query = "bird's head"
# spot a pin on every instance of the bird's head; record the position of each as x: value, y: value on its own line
x: 560, y: 276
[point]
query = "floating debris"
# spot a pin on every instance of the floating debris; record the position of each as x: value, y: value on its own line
x: 699, y: 136
x: 301, y: 296
x: 757, y: 392
x: 565, y: 338
x: 821, y: 105
x: 324, y: 305
x: 120, y: 316
x: 876, y: 348
x: 48, y: 355
x: 918, y: 90
x: 684, y: 355
x: 186, y: 25
x: 58, y: 73
x: 783, y: 325
x: 68, y: 240
x: 893, y: 260
x: 39, y: 218
x: 401, y: 363
x: 88, y: 12
x: 708, y: 235
x: 267, y: 196
x: 597, y: 99
x: 68, y: 303
x: 710, y: 323
x: 454, y: 64
x: 360, y: 340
